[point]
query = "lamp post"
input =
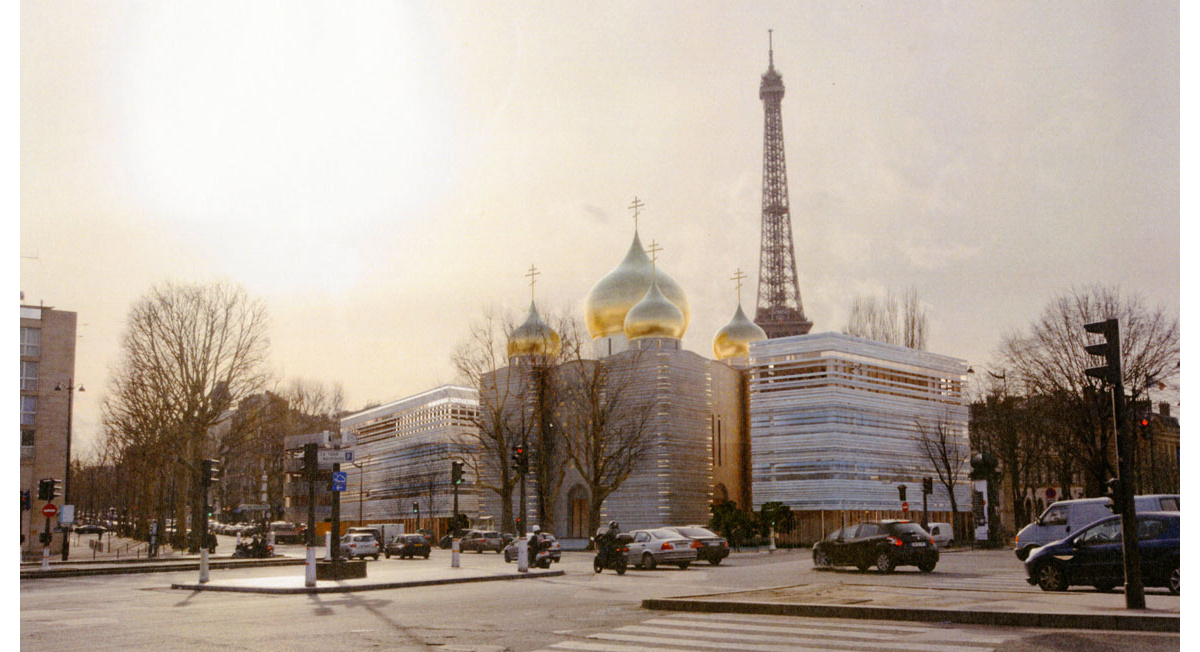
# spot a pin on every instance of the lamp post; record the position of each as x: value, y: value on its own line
x: 70, y: 389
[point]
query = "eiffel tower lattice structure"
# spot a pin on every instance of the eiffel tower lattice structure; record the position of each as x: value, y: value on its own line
x: 779, y: 311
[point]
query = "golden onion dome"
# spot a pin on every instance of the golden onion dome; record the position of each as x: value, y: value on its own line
x: 534, y: 337
x: 734, y: 339
x: 655, y: 316
x: 614, y: 295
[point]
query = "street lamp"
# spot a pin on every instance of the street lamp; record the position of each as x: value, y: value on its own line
x: 70, y: 388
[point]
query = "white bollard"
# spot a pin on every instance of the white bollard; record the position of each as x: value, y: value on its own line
x: 772, y: 547
x: 46, y: 558
x: 310, y: 566
x: 238, y: 542
x: 271, y: 538
x: 204, y: 565
x: 454, y: 551
x: 522, y: 555
x: 328, y: 536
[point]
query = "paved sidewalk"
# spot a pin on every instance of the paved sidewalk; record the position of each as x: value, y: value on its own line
x: 1086, y: 609
x: 380, y: 576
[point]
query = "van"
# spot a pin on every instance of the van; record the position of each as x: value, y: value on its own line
x: 1067, y: 516
x: 942, y: 533
x: 383, y: 532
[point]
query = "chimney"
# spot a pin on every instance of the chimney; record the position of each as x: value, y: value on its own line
x: 1164, y: 409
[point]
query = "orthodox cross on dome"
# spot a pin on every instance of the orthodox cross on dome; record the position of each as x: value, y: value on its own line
x: 532, y: 274
x: 737, y: 277
x: 636, y: 207
x: 653, y: 250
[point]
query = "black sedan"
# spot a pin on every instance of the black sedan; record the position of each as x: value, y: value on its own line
x: 713, y: 548
x: 91, y: 528
x: 882, y: 544
x: 1093, y: 555
x: 407, y: 545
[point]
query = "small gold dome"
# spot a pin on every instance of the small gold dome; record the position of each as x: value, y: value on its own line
x: 534, y: 337
x: 615, y: 294
x: 655, y: 316
x: 734, y: 339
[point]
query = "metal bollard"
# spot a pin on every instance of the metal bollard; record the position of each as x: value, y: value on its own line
x: 310, y: 567
x: 454, y: 552
x: 204, y: 565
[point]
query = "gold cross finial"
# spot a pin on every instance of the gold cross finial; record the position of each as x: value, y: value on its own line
x: 636, y: 207
x: 532, y: 274
x: 653, y: 250
x: 738, y: 276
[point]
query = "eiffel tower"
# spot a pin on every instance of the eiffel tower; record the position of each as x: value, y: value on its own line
x: 779, y: 312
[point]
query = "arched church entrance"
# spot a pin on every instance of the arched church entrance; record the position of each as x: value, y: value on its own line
x: 577, y: 508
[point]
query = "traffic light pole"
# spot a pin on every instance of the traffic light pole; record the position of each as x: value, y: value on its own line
x: 1111, y: 374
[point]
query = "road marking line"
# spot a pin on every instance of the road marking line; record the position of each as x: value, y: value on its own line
x: 882, y: 631
x: 765, y: 638
x: 608, y: 647
x: 824, y: 622
x: 872, y: 635
x: 723, y: 645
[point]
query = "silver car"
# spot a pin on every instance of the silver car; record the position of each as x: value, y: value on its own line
x: 650, y: 548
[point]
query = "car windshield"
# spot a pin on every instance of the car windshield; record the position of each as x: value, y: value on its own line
x: 906, y: 528
x: 695, y: 532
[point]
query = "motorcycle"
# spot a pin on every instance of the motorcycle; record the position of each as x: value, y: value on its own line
x: 254, y: 548
x: 610, y: 553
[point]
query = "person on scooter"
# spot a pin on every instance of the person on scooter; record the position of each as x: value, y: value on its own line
x: 535, y: 542
x: 606, y: 539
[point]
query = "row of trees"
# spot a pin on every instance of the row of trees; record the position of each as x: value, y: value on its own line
x: 192, y: 383
x: 1046, y: 422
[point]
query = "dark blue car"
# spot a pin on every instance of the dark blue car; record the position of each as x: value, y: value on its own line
x: 1092, y: 556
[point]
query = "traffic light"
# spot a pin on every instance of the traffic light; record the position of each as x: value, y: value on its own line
x: 44, y: 488
x: 456, y: 472
x: 210, y: 472
x: 416, y: 507
x: 56, y: 488
x: 927, y: 485
x: 1110, y: 350
x: 520, y: 460
x: 903, y: 489
x: 208, y: 511
x: 25, y: 502
x: 1143, y: 427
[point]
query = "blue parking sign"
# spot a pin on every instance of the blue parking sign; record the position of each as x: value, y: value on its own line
x: 339, y: 477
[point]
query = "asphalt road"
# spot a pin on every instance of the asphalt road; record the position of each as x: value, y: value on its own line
x: 580, y: 610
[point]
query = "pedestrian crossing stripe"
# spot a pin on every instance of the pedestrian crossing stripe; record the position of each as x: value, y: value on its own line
x: 762, y: 633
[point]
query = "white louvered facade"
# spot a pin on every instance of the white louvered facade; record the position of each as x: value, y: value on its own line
x: 834, y: 422
x: 403, y: 447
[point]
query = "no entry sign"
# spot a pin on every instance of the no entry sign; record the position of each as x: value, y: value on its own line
x: 50, y: 510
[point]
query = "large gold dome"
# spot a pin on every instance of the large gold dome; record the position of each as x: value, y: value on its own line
x: 734, y: 339
x: 654, y: 316
x: 534, y: 337
x: 613, y: 296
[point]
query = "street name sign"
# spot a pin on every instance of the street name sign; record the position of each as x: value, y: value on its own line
x: 335, y: 457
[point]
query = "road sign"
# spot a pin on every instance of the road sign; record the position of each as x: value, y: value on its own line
x: 1051, y: 493
x: 335, y: 457
x: 904, y: 506
x: 339, y: 477
x: 67, y: 515
x: 339, y: 486
x: 50, y: 510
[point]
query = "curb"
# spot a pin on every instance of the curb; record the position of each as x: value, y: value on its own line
x: 1132, y: 622
x: 166, y: 567
x: 364, y: 587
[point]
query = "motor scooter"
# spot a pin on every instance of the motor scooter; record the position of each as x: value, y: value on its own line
x: 610, y: 553
x: 255, y: 548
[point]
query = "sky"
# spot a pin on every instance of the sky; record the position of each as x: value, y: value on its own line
x: 380, y: 174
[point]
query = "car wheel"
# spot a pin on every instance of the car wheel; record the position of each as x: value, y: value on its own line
x: 862, y: 566
x: 927, y: 566
x: 1173, y: 580
x: 375, y: 557
x: 715, y: 561
x: 1050, y: 577
x: 388, y: 555
x: 507, y: 560
x: 648, y: 562
x: 1105, y: 587
x: 821, y: 558
x: 683, y: 565
x: 884, y: 563
x: 427, y: 555
x: 950, y: 543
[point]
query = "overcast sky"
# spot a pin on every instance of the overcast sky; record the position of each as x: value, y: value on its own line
x: 380, y: 173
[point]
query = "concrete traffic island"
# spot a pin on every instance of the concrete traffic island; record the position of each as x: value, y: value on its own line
x: 386, y: 576
x: 1084, y: 609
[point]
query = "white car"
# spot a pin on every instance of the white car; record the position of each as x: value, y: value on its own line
x: 942, y: 533
x: 360, y: 545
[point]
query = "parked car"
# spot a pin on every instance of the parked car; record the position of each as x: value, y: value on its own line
x: 713, y: 547
x: 1066, y: 517
x: 942, y: 533
x: 649, y: 548
x: 91, y: 528
x: 1094, y: 555
x: 553, y: 546
x: 359, y: 545
x: 480, y: 540
x: 883, y: 544
x: 407, y: 545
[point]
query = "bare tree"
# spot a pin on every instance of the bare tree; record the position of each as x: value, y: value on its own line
x: 1049, y: 359
x: 948, y: 450
x: 892, y: 320
x: 189, y: 353
x: 604, y: 422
